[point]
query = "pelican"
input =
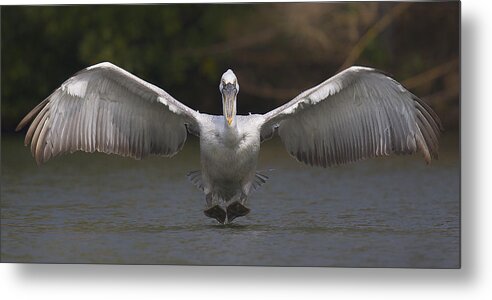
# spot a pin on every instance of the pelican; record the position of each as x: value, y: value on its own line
x: 357, y: 114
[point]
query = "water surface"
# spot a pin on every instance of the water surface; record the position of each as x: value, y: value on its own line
x: 97, y: 208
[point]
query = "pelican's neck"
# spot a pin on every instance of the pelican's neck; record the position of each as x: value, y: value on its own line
x: 232, y: 127
x: 230, y: 134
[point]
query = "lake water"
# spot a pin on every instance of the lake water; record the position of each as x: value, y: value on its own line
x: 96, y: 208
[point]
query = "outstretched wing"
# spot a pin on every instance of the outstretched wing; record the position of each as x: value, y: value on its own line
x: 107, y: 109
x: 357, y: 114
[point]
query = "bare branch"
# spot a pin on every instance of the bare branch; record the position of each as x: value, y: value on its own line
x: 431, y: 74
x: 235, y: 44
x: 266, y: 91
x: 373, y: 32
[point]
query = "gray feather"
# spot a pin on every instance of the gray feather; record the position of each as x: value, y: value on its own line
x: 357, y: 114
x: 104, y: 108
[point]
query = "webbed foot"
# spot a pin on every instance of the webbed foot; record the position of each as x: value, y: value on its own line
x: 216, y: 212
x: 236, y: 209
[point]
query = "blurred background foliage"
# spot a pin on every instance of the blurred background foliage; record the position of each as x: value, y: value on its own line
x: 276, y: 50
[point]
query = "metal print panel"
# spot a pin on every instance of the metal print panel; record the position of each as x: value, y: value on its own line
x: 299, y: 134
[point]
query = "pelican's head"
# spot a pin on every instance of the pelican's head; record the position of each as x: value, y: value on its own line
x: 229, y: 88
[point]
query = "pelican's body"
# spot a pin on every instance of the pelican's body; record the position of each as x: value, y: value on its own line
x: 359, y: 113
x: 229, y: 155
x: 236, y: 147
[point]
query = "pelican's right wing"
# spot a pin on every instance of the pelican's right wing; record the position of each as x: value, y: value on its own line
x: 107, y: 109
x: 357, y: 114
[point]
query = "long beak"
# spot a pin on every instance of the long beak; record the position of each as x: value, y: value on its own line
x: 229, y: 101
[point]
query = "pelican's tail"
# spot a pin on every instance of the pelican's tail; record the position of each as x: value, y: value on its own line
x: 196, y: 178
x: 259, y: 180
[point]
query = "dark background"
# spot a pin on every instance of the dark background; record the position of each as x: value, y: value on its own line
x: 276, y: 50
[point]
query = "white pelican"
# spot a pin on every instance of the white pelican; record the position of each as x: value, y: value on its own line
x: 357, y: 114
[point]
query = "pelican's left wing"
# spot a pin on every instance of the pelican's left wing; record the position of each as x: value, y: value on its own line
x: 357, y: 114
x: 105, y: 108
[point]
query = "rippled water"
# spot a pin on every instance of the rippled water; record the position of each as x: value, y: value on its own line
x: 95, y: 208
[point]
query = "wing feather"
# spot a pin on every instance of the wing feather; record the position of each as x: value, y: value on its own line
x: 359, y: 113
x: 107, y: 109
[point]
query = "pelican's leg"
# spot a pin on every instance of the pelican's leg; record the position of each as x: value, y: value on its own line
x: 243, y: 198
x: 209, y: 199
x: 214, y: 211
x: 238, y: 208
